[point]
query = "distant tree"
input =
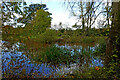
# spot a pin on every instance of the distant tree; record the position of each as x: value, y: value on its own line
x: 76, y: 26
x: 29, y: 12
x: 40, y: 22
x: 9, y: 9
x: 60, y: 24
x: 88, y: 12
x: 108, y: 9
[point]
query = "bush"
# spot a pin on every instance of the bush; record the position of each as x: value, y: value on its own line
x: 88, y: 40
x: 101, y: 48
x: 49, y: 36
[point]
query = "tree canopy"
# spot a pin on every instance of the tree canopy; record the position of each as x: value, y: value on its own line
x: 40, y: 22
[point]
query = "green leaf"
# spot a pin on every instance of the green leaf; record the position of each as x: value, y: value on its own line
x: 115, y: 55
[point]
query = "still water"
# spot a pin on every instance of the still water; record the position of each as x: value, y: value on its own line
x: 17, y: 64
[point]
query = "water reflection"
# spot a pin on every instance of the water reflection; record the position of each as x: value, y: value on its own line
x: 78, y: 48
x: 74, y: 48
x: 92, y: 61
x: 17, y: 63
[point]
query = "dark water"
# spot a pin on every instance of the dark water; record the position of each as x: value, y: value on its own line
x: 14, y: 62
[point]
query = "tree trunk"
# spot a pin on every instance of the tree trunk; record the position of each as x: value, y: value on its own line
x: 113, y: 45
x: 83, y: 20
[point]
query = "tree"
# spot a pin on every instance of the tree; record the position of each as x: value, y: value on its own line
x: 114, y: 37
x: 11, y: 12
x: 87, y: 12
x: 113, y: 46
x: 40, y: 22
x: 11, y: 9
x: 29, y: 12
x: 108, y: 9
x: 60, y: 25
x: 82, y: 11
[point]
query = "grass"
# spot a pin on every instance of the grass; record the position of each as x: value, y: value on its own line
x: 90, y: 72
x: 53, y: 55
x: 51, y: 36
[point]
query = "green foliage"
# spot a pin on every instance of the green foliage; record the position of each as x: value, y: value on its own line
x: 51, y: 54
x: 73, y: 39
x: 41, y: 21
x: 88, y: 40
x: 101, y: 49
x: 55, y: 55
x: 90, y: 73
x: 62, y: 30
x: 49, y: 36
x: 113, y: 70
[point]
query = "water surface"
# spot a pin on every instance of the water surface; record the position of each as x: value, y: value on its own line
x: 16, y: 63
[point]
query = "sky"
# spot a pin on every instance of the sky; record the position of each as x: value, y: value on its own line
x: 59, y: 11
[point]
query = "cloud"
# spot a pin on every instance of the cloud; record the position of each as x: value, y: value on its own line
x: 64, y: 18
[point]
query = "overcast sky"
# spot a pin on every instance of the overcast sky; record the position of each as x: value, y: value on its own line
x: 58, y: 10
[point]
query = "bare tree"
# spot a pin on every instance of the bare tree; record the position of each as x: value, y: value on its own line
x: 87, y: 12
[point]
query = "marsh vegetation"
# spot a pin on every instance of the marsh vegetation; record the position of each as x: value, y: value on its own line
x: 36, y: 51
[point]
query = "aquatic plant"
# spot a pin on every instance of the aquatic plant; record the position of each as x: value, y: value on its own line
x: 55, y: 55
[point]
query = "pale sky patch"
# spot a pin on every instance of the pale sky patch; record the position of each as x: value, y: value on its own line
x: 58, y: 10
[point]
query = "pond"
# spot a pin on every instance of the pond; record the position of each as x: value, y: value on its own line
x: 17, y: 64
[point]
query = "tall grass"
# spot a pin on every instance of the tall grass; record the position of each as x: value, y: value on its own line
x: 54, y: 55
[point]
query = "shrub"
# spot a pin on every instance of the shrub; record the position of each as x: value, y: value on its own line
x: 88, y: 40
x: 49, y: 36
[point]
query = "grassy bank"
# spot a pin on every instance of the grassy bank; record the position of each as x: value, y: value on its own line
x: 52, y: 36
